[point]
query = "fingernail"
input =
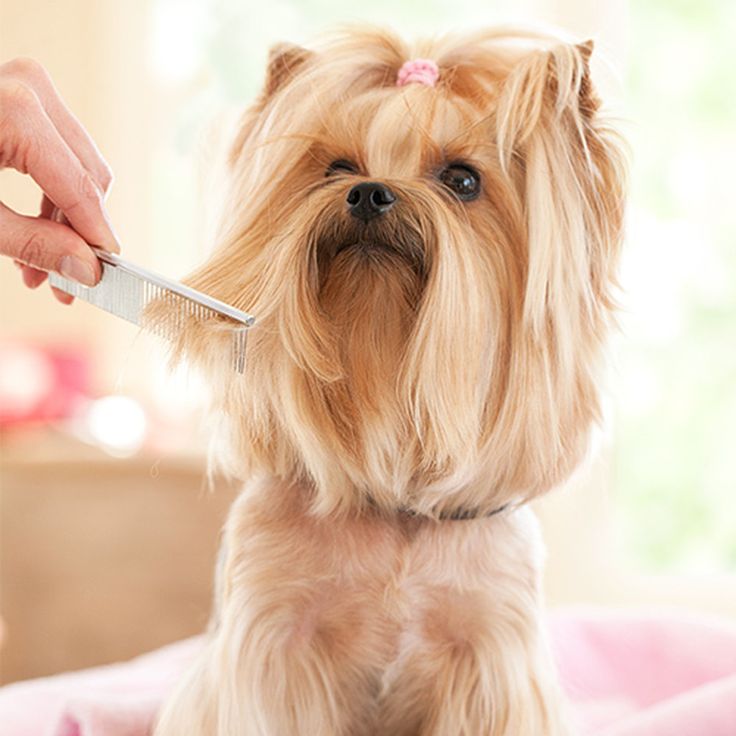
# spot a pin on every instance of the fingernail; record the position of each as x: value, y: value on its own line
x: 114, y: 245
x: 77, y: 270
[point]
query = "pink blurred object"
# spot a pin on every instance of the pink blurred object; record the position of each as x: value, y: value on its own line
x: 418, y: 71
x: 117, y: 700
x: 647, y: 675
x: 40, y: 383
x: 627, y: 675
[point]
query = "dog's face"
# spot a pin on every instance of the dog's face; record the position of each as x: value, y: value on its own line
x: 429, y: 266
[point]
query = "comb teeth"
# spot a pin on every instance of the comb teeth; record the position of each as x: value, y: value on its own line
x: 126, y: 290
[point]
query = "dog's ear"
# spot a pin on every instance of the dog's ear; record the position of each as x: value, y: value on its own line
x: 569, y: 168
x: 587, y: 98
x: 545, y: 83
x: 284, y: 61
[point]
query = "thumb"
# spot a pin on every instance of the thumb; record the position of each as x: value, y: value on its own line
x: 47, y: 245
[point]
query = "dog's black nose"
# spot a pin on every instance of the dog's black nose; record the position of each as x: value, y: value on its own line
x: 370, y: 199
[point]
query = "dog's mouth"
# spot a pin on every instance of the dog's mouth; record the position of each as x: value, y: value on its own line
x: 367, y: 248
x: 391, y: 252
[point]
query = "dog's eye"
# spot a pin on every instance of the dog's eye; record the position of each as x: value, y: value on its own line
x: 341, y: 166
x: 462, y: 180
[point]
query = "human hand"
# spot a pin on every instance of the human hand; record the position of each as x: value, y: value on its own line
x: 40, y: 137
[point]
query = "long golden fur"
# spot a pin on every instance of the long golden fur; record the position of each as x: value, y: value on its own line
x: 441, y: 358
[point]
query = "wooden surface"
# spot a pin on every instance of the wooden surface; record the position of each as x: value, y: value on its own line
x: 103, y: 559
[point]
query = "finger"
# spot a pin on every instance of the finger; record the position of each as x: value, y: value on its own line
x: 32, y: 277
x: 50, y: 212
x: 47, y: 246
x: 47, y: 208
x: 62, y: 296
x: 33, y: 145
x: 37, y: 78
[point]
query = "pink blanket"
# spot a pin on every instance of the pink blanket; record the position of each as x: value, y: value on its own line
x: 626, y: 675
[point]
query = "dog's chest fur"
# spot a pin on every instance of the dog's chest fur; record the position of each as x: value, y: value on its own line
x: 391, y: 587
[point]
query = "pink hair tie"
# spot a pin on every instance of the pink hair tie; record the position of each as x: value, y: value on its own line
x: 421, y: 71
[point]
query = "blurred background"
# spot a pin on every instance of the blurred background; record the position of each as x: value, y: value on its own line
x: 108, y: 528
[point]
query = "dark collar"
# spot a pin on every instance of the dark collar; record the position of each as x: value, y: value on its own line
x: 460, y: 515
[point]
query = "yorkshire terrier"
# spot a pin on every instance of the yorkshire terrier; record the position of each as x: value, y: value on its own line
x: 428, y: 237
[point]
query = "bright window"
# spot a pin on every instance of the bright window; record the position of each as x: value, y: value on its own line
x: 675, y: 393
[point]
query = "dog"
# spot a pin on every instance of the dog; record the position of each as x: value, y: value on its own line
x: 429, y: 237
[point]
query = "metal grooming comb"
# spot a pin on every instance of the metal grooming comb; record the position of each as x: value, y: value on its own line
x: 126, y: 290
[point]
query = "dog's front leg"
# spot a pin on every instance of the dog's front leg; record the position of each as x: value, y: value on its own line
x: 300, y: 637
x: 452, y: 685
x: 472, y: 658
